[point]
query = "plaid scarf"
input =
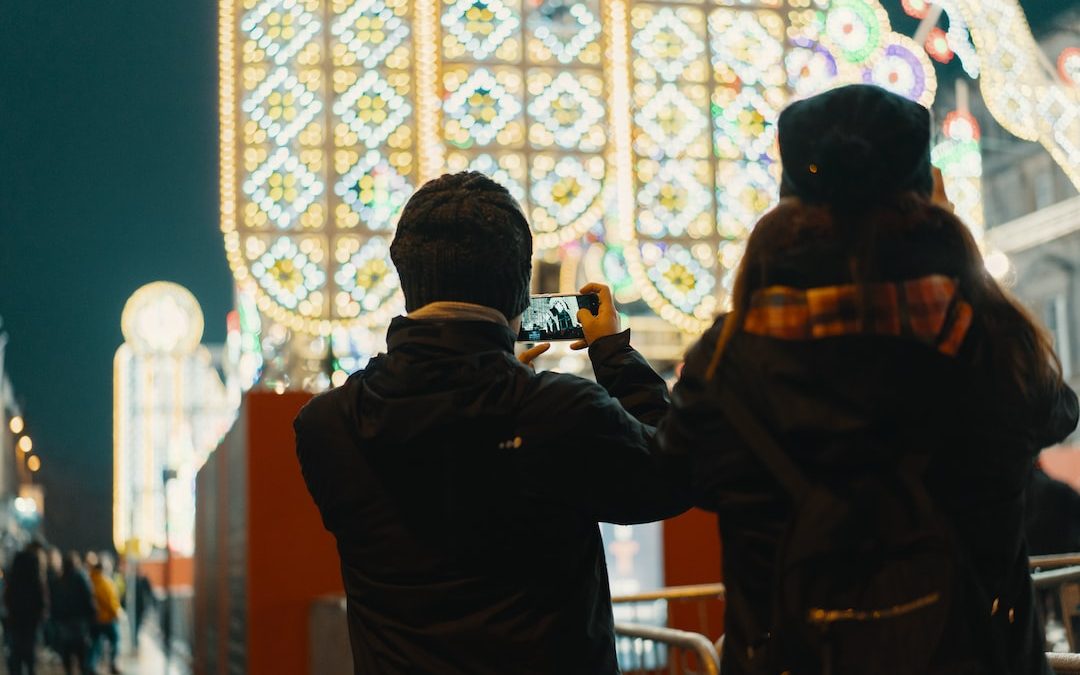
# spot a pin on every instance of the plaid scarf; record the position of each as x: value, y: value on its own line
x: 929, y: 309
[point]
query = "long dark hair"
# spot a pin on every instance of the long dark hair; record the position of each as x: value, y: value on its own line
x: 1014, y: 344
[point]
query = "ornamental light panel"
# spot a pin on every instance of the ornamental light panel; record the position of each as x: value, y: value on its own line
x: 639, y: 136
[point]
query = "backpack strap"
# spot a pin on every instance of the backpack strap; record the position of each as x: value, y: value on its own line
x: 762, y: 444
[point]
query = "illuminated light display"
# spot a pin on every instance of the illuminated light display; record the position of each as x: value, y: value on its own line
x: 1069, y: 65
x: 959, y: 157
x: 937, y: 46
x: 916, y: 8
x: 646, y: 129
x: 1018, y: 91
x: 170, y: 410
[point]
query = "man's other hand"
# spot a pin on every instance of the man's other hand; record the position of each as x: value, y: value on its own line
x: 606, y: 322
x: 531, y: 353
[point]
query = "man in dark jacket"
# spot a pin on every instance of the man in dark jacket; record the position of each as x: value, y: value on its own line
x: 463, y: 488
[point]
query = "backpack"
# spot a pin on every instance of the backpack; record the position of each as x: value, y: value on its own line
x: 865, y: 571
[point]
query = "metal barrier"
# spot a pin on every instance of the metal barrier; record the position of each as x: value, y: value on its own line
x: 1056, y: 577
x: 655, y: 650
x: 1064, y: 664
x: 1055, y: 560
x: 652, y: 607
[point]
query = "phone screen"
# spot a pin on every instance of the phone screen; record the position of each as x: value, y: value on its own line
x: 554, y: 317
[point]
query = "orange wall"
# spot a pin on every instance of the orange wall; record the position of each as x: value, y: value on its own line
x: 692, y: 556
x: 181, y: 572
x: 291, y: 558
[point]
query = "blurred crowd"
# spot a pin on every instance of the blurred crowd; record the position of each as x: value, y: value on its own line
x: 68, y: 607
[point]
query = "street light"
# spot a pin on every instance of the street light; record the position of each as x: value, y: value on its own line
x: 25, y: 444
x: 16, y: 425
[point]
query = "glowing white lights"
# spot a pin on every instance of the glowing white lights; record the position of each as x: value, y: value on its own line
x: 170, y: 409
x: 25, y: 444
x: 998, y: 265
x: 16, y: 424
x: 1016, y: 87
x: 162, y: 318
x: 617, y: 125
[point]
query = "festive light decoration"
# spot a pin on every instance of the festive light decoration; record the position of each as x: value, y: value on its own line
x: 1018, y: 91
x: 1069, y: 65
x: 170, y: 410
x: 937, y: 46
x: 647, y: 126
x: 960, y: 159
x: 916, y: 8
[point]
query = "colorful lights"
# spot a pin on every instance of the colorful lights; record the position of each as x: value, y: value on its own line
x: 1068, y: 64
x: 627, y: 124
x: 959, y: 157
x: 1015, y: 85
x: 916, y: 8
x: 937, y: 46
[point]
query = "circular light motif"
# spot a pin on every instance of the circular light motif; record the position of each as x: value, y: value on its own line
x: 681, y: 278
x: 290, y: 274
x: 566, y: 113
x: 899, y: 71
x: 564, y: 27
x: 916, y: 8
x: 854, y: 28
x: 1069, y: 65
x: 937, y: 46
x: 674, y: 202
x: 479, y: 109
x: 481, y: 26
x: 668, y: 44
x: 608, y: 262
x: 566, y: 197
x: 374, y: 190
x: 811, y: 68
x: 162, y: 318
x: 365, y: 277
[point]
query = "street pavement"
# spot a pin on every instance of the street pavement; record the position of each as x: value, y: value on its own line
x: 148, y: 661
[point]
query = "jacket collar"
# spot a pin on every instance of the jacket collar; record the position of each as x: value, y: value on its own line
x: 455, y: 337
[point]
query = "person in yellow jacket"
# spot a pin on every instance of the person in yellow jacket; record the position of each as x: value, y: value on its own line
x: 107, y: 622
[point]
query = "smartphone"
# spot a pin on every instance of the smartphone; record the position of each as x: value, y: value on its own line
x: 554, y: 317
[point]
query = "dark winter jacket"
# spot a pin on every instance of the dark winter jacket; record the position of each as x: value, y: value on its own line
x: 72, y: 599
x: 464, y: 492
x: 838, y: 406
x: 1053, y: 515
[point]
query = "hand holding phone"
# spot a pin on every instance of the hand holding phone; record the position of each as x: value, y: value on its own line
x: 556, y: 317
x: 601, y: 323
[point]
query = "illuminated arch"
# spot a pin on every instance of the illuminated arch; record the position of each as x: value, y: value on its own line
x: 639, y: 135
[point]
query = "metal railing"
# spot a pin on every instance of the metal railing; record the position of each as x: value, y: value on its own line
x: 1046, y: 562
x: 1064, y: 664
x: 655, y: 650
x: 1055, y: 577
x: 696, y: 610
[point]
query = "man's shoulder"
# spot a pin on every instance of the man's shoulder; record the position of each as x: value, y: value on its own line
x: 328, y: 406
x: 559, y: 392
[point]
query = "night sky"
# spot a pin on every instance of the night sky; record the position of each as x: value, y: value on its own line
x: 108, y: 180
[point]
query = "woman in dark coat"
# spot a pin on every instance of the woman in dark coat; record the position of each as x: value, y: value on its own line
x: 73, y: 614
x: 26, y: 601
x: 866, y: 335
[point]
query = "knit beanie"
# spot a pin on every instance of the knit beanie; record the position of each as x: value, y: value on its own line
x: 463, y: 237
x: 852, y: 146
